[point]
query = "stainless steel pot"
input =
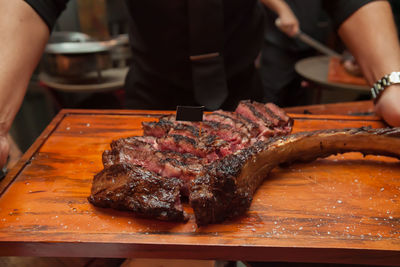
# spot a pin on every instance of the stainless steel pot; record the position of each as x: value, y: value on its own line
x: 72, y: 54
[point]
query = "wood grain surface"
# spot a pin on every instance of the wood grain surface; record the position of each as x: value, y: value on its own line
x: 338, y: 74
x: 365, y: 107
x: 342, y: 209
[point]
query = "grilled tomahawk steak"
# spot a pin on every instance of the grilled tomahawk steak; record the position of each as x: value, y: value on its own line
x: 217, y: 168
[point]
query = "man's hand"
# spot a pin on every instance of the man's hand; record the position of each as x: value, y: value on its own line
x: 388, y: 106
x: 288, y: 23
x: 4, y: 150
x: 370, y: 35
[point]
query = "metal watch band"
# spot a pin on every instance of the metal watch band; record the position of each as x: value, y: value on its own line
x: 385, y: 81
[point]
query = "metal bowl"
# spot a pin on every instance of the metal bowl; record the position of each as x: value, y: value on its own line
x: 76, y: 65
x: 72, y: 54
x: 61, y: 37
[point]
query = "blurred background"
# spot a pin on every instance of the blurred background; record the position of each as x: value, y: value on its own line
x: 48, y: 92
x: 100, y: 86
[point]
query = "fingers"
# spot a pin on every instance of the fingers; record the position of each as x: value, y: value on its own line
x: 4, y: 150
x: 293, y: 30
x: 14, y: 153
x: 278, y: 23
x: 352, y: 67
x: 289, y: 27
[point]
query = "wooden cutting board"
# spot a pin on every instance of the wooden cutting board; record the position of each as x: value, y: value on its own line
x: 342, y: 209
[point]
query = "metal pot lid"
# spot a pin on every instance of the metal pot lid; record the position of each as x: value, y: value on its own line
x: 67, y: 37
x: 76, y: 48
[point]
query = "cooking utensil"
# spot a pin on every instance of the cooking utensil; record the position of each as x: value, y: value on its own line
x: 317, y: 45
x: 311, y: 42
x: 72, y: 54
x: 83, y: 44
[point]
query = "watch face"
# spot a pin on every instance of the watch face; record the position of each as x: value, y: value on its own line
x: 394, y: 77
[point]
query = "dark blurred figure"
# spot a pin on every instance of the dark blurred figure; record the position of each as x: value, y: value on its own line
x: 396, y: 12
x: 280, y: 52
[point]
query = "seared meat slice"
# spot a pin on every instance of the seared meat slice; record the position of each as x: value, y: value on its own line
x: 125, y: 150
x: 170, y: 118
x: 254, y: 128
x: 235, y: 138
x: 157, y: 129
x: 236, y: 121
x: 284, y: 119
x: 209, y: 147
x: 163, y: 128
x: 133, y: 188
x: 193, y: 130
x: 229, y: 119
x: 133, y: 151
x: 227, y: 186
x: 266, y: 115
x: 188, y: 130
x: 246, y: 109
x: 282, y: 125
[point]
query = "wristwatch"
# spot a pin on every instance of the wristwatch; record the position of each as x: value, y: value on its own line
x: 380, y: 86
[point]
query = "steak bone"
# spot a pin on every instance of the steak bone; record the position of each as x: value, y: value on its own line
x: 227, y: 186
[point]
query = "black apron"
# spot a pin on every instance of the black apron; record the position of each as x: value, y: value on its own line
x: 202, y: 54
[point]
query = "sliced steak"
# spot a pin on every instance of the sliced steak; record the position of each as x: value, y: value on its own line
x: 188, y: 130
x: 268, y: 114
x: 193, y: 130
x: 168, y: 164
x: 247, y: 110
x: 124, y: 150
x: 247, y: 128
x: 209, y: 147
x: 254, y: 128
x: 237, y: 139
x: 175, y: 155
x: 157, y: 129
x: 283, y: 117
x: 228, y: 119
x: 134, y: 188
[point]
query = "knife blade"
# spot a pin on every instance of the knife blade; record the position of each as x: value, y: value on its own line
x: 311, y: 42
x: 317, y: 45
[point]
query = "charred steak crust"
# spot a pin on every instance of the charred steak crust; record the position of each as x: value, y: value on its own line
x: 129, y: 187
x: 157, y: 129
x: 219, y: 170
x: 281, y: 114
x: 146, y: 174
x: 215, y: 195
x: 227, y: 187
x: 134, y: 151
